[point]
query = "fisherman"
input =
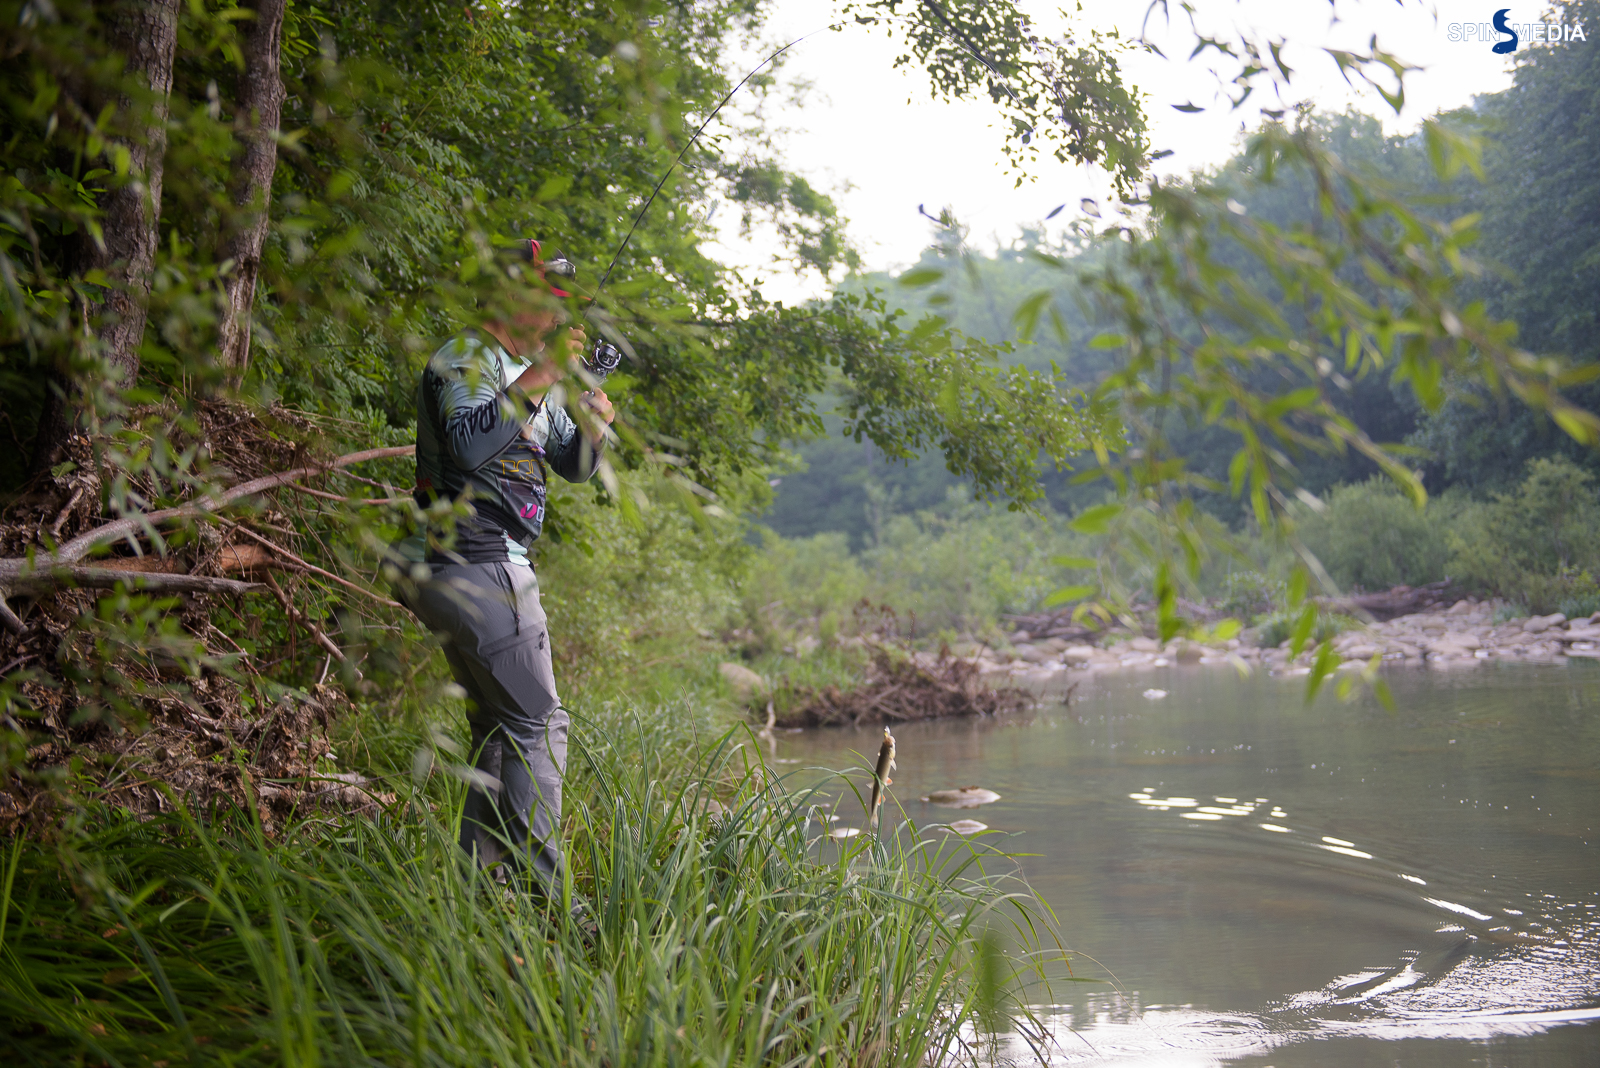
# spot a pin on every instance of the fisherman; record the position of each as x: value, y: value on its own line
x: 487, y: 432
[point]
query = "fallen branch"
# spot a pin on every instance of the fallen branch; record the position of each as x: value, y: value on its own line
x: 107, y: 578
x: 325, y: 495
x: 276, y: 548
x: 84, y: 543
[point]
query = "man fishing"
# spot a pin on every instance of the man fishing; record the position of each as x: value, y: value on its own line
x: 486, y: 434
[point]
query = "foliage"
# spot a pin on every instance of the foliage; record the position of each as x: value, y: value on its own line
x: 1370, y: 536
x: 944, y: 571
x: 727, y: 932
x: 1536, y: 544
x: 416, y: 140
x: 1540, y: 206
x: 1275, y: 628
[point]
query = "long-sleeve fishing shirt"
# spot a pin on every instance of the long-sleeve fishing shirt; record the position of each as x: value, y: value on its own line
x: 476, y: 440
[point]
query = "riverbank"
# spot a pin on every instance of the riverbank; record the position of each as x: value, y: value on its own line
x: 723, y: 929
x: 1464, y: 635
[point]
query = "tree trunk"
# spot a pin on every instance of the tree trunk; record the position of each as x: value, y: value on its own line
x: 260, y: 106
x: 145, y: 32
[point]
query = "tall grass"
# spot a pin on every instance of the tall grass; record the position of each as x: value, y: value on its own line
x: 731, y: 932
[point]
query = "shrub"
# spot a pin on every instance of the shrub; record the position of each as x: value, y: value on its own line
x: 1373, y: 537
x: 1276, y: 628
x: 1536, y: 545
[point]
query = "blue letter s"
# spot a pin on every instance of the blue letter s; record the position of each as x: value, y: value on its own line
x: 1504, y: 47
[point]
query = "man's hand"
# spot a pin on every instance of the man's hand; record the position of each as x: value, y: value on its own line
x: 598, y: 403
x: 577, y: 345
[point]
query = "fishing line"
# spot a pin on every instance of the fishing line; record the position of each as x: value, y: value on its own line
x: 948, y: 33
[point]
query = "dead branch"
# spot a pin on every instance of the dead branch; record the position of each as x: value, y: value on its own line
x: 107, y: 578
x: 325, y: 495
x: 273, y: 547
x: 79, y: 547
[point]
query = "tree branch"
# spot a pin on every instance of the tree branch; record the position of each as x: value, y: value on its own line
x: 107, y: 578
x: 79, y: 547
x: 274, y: 547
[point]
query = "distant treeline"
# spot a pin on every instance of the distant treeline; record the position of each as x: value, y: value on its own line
x: 1537, y: 210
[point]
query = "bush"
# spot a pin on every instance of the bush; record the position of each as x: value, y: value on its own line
x: 1372, y: 537
x: 1275, y: 629
x: 955, y: 569
x: 1537, y: 545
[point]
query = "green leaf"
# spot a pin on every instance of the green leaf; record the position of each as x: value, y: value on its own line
x: 1026, y: 316
x: 1321, y: 668
x: 1302, y: 629
x: 554, y: 187
x: 1095, y: 520
x: 920, y: 276
x: 1068, y: 593
x: 66, y: 467
x: 1107, y: 341
x: 1225, y: 629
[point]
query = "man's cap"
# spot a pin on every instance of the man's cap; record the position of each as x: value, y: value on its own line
x: 556, y: 271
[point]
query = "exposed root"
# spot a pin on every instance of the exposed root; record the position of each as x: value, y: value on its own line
x: 900, y: 686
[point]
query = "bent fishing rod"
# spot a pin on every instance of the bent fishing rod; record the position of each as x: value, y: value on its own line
x: 604, y: 358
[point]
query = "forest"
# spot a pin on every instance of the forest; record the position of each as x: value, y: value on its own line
x: 232, y: 233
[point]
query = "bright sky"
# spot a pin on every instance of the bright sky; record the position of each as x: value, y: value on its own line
x: 871, y: 135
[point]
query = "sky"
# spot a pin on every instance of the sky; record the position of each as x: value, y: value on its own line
x: 871, y: 136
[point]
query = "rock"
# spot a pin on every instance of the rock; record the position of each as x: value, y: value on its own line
x: 1362, y: 651
x: 1535, y: 625
x: 1461, y: 640
x: 1155, y: 695
x: 745, y: 683
x: 1032, y: 654
x: 1144, y: 645
x: 967, y: 826
x: 964, y: 797
x: 1459, y: 608
x: 1075, y: 653
x: 1191, y: 652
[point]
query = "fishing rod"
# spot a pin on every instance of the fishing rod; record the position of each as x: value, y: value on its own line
x: 605, y: 357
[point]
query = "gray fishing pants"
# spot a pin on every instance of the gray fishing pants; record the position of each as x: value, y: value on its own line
x: 498, y: 646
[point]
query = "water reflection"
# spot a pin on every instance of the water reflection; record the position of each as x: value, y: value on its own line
x: 1256, y: 882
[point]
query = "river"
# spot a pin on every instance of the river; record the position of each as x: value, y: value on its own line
x: 1258, y: 882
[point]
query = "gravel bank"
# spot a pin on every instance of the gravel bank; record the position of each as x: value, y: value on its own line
x: 1463, y: 636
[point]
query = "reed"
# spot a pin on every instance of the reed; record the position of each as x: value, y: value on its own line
x: 731, y: 932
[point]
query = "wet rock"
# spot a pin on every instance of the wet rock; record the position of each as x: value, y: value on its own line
x: 1144, y: 645
x: 1155, y: 695
x: 967, y: 826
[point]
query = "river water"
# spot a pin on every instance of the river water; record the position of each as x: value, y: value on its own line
x: 1257, y: 882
